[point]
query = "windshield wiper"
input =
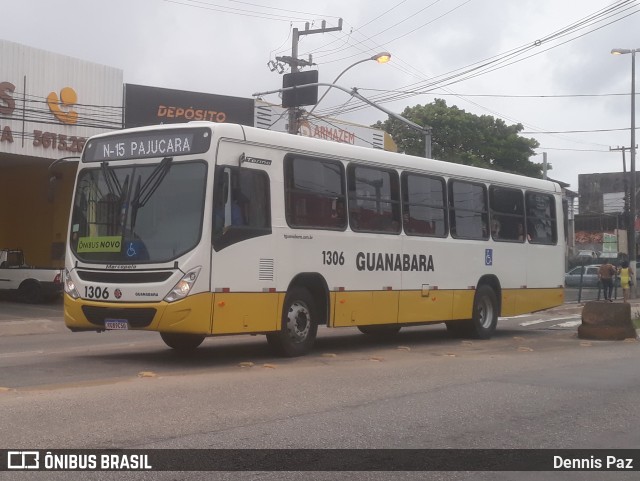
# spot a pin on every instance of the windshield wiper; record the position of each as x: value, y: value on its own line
x: 111, y: 179
x: 145, y: 191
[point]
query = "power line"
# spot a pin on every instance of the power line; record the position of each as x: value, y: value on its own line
x: 267, y: 7
x: 582, y: 23
x: 522, y: 96
x: 499, y: 61
x: 236, y: 11
x: 572, y: 150
x: 575, y: 131
x: 596, y: 17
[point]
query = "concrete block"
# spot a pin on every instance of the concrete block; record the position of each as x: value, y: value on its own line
x: 607, y: 321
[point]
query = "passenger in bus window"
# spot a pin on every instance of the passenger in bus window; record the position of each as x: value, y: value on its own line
x: 340, y: 209
x: 221, y: 223
x: 521, y: 233
x: 531, y: 231
x: 237, y: 215
x: 495, y: 228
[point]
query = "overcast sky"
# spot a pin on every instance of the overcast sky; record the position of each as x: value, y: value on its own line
x: 557, y: 48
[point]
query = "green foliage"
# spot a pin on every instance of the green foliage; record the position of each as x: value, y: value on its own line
x: 464, y: 138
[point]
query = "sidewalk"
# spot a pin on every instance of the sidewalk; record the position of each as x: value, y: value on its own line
x: 576, y: 307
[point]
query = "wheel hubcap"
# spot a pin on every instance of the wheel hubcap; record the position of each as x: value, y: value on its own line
x: 298, y: 321
x: 485, y: 313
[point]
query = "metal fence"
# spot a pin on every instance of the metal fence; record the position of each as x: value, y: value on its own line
x: 590, y: 293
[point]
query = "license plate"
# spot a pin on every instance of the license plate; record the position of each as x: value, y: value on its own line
x: 116, y: 324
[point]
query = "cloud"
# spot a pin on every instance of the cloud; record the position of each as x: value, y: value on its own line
x: 200, y: 46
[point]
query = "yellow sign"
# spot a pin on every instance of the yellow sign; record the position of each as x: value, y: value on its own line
x: 100, y: 244
x: 61, y: 107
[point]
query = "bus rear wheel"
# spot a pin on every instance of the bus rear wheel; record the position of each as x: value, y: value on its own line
x: 299, y: 327
x: 182, y: 342
x: 380, y: 331
x: 484, y: 318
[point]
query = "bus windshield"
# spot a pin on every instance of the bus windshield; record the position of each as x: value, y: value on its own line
x: 138, y: 214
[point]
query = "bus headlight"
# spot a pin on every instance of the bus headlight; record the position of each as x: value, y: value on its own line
x: 183, y: 287
x: 70, y: 286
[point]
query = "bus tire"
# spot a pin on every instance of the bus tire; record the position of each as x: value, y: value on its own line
x: 299, y: 326
x: 182, y: 342
x: 484, y: 318
x: 380, y: 330
x: 485, y: 313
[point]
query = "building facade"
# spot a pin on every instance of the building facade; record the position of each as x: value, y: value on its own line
x: 604, y: 211
x: 49, y: 105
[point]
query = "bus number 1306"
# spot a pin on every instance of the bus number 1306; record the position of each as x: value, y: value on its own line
x: 91, y: 292
x: 333, y: 258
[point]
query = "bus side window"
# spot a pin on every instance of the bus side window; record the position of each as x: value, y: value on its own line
x: 374, y: 199
x: 468, y: 210
x: 314, y: 193
x: 423, y: 205
x: 541, y: 218
x: 507, y: 214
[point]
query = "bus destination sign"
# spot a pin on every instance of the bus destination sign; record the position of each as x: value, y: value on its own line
x: 168, y: 143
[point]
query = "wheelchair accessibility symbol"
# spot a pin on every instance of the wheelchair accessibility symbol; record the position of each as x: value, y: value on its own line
x: 488, y: 257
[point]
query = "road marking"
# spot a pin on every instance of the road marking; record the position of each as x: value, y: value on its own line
x: 531, y: 323
x: 538, y: 321
x: 569, y: 324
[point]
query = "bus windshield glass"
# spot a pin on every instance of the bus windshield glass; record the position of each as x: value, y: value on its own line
x: 138, y: 214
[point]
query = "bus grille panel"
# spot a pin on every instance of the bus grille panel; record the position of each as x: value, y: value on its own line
x: 137, y: 318
x: 124, y: 277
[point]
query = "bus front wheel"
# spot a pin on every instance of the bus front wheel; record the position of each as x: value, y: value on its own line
x: 484, y: 318
x: 182, y: 342
x: 299, y: 327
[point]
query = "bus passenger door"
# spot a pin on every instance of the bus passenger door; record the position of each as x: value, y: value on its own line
x: 242, y: 267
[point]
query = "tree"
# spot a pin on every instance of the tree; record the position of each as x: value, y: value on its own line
x: 465, y: 138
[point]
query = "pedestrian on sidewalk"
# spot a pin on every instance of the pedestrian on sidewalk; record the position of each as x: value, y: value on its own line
x: 605, y: 274
x: 626, y: 279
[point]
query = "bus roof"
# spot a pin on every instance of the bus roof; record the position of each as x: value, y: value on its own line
x: 328, y: 148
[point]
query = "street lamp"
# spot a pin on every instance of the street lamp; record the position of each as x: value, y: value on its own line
x: 382, y: 57
x: 632, y: 196
x: 354, y: 93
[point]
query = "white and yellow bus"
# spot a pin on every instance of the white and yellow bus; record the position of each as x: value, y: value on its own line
x: 205, y: 229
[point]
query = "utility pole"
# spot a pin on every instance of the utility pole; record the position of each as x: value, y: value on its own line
x: 624, y: 172
x: 294, y: 62
x: 627, y: 208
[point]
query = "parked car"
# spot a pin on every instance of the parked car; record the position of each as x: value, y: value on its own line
x: 31, y: 284
x: 590, y: 276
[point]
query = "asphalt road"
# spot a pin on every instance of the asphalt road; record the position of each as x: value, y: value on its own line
x: 534, y: 385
